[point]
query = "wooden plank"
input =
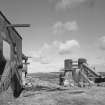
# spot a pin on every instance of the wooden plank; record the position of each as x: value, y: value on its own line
x: 18, y: 25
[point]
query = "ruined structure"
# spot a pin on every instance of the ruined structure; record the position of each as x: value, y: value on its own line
x: 79, y: 73
x: 10, y: 57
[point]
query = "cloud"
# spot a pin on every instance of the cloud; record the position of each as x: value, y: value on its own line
x: 45, y: 54
x: 41, y: 55
x: 102, y: 43
x: 68, y: 3
x: 49, y: 57
x: 68, y: 47
x: 63, y: 4
x: 41, y: 59
x: 71, y: 26
x: 60, y: 28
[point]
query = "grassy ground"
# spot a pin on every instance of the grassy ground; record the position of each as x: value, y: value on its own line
x: 45, y: 91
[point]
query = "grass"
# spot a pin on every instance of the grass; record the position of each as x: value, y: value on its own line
x: 45, y: 92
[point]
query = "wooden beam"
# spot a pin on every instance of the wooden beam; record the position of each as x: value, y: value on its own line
x: 18, y: 25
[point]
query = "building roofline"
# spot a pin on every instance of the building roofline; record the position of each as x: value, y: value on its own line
x: 10, y: 23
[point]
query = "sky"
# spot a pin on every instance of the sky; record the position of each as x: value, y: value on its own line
x: 60, y: 29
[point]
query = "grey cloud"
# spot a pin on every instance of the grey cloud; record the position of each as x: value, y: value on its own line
x: 68, y: 47
x: 64, y: 4
x: 60, y: 28
x: 46, y: 53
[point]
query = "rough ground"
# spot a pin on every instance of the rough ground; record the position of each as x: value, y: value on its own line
x: 45, y: 91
